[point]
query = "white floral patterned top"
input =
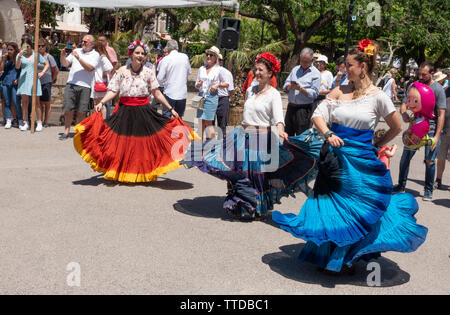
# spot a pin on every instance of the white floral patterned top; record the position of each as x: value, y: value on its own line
x: 132, y: 85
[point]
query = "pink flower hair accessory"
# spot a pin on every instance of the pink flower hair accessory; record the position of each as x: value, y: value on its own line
x: 136, y: 43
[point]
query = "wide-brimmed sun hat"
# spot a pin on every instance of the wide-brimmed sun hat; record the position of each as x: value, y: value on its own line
x: 322, y: 58
x: 214, y: 50
x: 438, y: 76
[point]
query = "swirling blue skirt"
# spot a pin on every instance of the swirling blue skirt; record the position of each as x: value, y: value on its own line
x: 258, y: 168
x: 356, y: 217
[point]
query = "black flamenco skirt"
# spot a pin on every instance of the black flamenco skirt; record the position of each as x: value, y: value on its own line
x: 136, y: 144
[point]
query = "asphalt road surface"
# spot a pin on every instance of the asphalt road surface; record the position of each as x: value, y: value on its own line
x: 66, y: 230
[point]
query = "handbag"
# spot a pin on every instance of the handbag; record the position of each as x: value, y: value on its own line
x: 198, y: 102
x: 100, y: 87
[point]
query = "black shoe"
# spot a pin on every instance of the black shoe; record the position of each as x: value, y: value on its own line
x: 63, y: 137
x: 398, y: 189
x: 438, y: 184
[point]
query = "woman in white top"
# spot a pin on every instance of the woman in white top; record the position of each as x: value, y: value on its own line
x: 209, y: 80
x: 327, y: 77
x: 352, y: 215
x: 390, y: 87
x: 101, y: 75
x: 136, y: 144
x: 258, y: 168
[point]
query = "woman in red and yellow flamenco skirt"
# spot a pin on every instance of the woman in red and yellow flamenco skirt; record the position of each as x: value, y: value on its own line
x: 136, y: 144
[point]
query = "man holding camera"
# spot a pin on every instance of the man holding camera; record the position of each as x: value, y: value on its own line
x: 78, y: 89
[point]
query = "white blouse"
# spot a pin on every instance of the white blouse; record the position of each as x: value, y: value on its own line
x: 326, y: 80
x: 132, y: 85
x: 213, y: 77
x: 363, y: 113
x: 263, y: 110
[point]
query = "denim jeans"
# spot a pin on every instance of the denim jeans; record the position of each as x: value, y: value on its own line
x: 430, y: 169
x: 10, y: 95
x: 108, y: 109
x: 178, y: 105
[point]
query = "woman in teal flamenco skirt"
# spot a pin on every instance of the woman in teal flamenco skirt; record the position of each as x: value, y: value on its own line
x: 351, y: 214
x: 258, y: 168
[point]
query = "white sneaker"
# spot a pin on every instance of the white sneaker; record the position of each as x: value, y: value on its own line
x: 25, y: 126
x: 39, y: 126
x: 8, y: 124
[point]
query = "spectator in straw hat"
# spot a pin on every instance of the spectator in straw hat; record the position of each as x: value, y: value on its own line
x: 440, y: 77
x: 208, y: 82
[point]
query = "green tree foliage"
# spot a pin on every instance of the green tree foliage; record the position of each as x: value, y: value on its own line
x: 296, y: 21
x: 183, y: 21
x: 48, y: 12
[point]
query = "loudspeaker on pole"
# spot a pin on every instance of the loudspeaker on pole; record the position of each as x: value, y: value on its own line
x: 229, y: 31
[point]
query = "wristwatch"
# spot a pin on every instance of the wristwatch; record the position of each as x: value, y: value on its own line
x: 328, y: 134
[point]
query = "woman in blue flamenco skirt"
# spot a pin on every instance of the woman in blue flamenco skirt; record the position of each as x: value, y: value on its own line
x: 351, y: 214
x: 259, y: 169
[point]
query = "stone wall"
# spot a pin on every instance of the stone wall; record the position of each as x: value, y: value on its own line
x: 11, y: 21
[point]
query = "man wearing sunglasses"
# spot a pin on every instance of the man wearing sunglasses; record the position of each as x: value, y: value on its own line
x: 77, y: 93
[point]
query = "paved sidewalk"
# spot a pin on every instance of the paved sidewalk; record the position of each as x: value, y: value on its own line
x: 172, y: 236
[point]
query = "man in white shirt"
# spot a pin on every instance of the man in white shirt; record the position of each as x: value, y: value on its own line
x: 225, y: 90
x: 78, y: 89
x: 173, y: 73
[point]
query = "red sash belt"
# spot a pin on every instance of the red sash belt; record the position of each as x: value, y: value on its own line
x: 134, y: 101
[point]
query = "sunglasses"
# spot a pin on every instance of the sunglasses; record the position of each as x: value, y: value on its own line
x: 84, y: 42
x: 210, y: 55
x: 41, y: 46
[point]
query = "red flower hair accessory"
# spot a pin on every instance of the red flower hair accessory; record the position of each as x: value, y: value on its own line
x: 276, y: 66
x: 367, y: 46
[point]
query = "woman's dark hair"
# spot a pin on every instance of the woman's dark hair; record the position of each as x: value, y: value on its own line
x: 16, y: 49
x: 27, y: 41
x: 98, y: 46
x: 340, y: 61
x: 360, y: 57
x: 266, y: 63
x: 131, y: 51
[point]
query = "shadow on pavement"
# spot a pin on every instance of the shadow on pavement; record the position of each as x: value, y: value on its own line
x: 71, y: 134
x: 207, y: 207
x: 286, y: 264
x: 413, y: 192
x: 442, y: 202
x: 418, y: 181
x: 161, y: 183
x: 211, y: 207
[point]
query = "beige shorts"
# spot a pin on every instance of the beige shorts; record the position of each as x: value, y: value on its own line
x: 444, y: 148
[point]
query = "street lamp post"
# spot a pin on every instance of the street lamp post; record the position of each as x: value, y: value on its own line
x: 262, y: 33
x: 350, y: 21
